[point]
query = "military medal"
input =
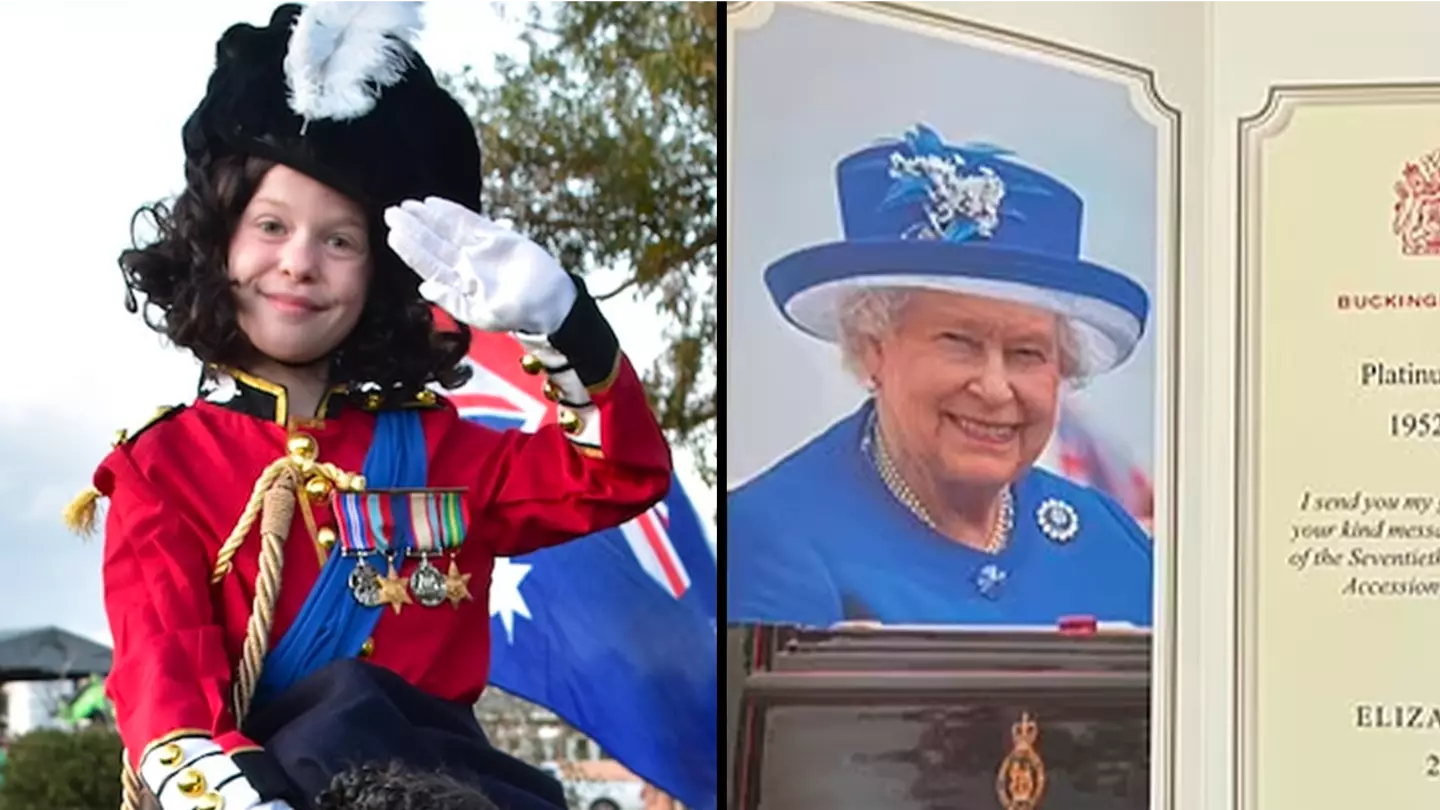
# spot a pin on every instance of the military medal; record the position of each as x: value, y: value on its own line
x: 1058, y: 520
x: 428, y: 584
x: 361, y: 535
x: 457, y: 586
x: 397, y: 524
x: 392, y: 589
x: 437, y: 521
x: 365, y: 584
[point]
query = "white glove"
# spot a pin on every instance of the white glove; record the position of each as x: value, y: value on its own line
x: 481, y: 273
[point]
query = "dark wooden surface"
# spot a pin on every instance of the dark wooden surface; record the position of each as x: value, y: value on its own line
x: 922, y: 719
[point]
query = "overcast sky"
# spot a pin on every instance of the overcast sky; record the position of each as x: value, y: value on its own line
x: 95, y: 94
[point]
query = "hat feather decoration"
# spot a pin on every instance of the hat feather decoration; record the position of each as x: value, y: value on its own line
x: 341, y: 55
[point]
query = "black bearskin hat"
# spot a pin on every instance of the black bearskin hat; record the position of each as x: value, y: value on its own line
x: 337, y: 91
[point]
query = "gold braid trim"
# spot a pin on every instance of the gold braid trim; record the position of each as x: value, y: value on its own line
x: 341, y: 479
x: 274, y: 529
x: 129, y: 785
x: 272, y: 501
x: 225, y: 559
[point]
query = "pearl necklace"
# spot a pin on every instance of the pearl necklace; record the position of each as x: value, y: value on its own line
x: 880, y: 456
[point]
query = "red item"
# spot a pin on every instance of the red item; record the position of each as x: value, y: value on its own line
x: 177, y: 491
x: 1077, y: 625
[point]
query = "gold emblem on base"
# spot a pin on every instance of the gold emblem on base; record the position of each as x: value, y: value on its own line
x: 1020, y: 783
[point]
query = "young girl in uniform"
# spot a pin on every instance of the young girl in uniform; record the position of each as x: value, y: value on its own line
x: 296, y: 563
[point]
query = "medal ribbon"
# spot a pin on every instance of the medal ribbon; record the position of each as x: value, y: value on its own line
x: 428, y: 522
x: 437, y: 521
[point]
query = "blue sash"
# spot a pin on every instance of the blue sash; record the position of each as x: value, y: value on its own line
x: 331, y: 625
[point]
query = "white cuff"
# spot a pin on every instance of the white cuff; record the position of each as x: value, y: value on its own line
x: 565, y: 388
x: 539, y: 346
x: 588, y: 434
x: 173, y: 756
x: 206, y: 780
x: 568, y: 389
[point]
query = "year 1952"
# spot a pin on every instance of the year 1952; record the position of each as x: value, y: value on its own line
x: 1415, y: 425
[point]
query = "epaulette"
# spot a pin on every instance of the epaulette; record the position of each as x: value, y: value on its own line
x: 123, y: 437
x: 80, y: 514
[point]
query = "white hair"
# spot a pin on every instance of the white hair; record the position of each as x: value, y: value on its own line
x: 869, y: 313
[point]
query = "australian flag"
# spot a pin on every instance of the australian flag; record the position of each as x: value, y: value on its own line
x: 615, y: 632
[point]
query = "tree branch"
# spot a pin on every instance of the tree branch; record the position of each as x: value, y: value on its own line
x: 630, y: 282
x: 706, y: 239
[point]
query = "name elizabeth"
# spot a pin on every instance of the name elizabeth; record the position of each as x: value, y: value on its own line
x: 1404, y: 716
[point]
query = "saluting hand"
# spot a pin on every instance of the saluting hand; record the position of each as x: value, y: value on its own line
x: 481, y: 273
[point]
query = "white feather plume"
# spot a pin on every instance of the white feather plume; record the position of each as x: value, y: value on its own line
x: 342, y: 55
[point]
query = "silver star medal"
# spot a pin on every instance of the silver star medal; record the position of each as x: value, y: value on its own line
x: 1058, y: 520
x: 989, y: 579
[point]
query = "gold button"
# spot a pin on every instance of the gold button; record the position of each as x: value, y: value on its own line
x: 210, y: 801
x: 317, y: 487
x: 425, y: 397
x: 551, y: 391
x: 326, y: 537
x: 303, y: 447
x: 170, y: 755
x: 374, y: 401
x: 531, y: 364
x: 191, y: 783
x: 368, y: 648
x: 570, y: 422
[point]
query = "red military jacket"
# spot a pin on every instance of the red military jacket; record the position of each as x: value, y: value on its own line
x: 177, y: 490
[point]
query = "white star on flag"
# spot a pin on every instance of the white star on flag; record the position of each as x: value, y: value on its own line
x: 505, y: 598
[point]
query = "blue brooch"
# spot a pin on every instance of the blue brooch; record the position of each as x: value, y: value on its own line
x: 989, y: 579
x: 1058, y: 520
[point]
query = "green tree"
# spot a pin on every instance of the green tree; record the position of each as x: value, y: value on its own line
x: 599, y: 143
x: 60, y: 770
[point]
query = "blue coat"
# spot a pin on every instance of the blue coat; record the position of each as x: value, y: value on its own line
x: 818, y: 538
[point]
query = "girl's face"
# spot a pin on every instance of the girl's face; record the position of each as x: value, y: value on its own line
x: 300, y: 263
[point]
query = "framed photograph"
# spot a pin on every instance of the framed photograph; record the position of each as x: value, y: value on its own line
x: 952, y: 336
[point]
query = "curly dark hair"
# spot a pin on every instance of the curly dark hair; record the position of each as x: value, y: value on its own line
x: 188, y: 297
x: 394, y: 787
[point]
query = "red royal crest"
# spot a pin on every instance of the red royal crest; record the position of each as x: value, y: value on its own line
x: 1417, y: 207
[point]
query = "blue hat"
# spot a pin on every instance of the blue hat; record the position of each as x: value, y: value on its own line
x: 918, y: 212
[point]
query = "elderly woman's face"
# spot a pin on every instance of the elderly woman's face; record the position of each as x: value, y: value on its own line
x: 970, y: 385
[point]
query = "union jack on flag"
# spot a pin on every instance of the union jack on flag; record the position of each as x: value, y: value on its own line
x: 614, y: 632
x: 504, y: 397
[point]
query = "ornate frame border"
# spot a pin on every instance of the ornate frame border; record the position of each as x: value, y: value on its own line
x: 752, y: 14
x: 1251, y: 133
